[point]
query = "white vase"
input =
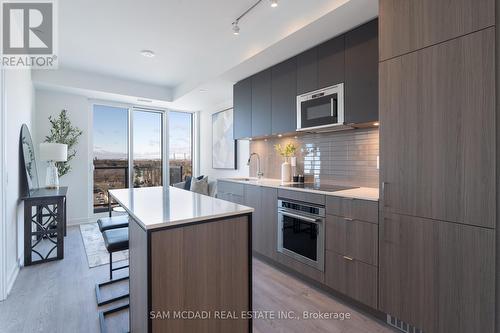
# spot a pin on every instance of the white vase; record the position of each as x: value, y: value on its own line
x: 285, y: 171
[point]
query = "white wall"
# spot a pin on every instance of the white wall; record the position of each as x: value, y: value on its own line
x: 206, y: 148
x: 51, y: 103
x: 18, y: 110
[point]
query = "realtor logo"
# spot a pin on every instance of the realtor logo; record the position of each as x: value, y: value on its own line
x: 28, y: 36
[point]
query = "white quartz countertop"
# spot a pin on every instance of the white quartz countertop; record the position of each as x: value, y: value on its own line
x: 362, y: 193
x: 158, y: 207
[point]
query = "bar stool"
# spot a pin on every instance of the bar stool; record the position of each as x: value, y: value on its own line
x: 107, y: 223
x: 115, y: 239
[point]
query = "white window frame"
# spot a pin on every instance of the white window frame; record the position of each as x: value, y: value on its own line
x: 165, y: 144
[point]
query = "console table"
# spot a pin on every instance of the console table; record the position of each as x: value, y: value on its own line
x: 44, y: 225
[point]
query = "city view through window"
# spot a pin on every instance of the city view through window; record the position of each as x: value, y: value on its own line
x: 112, y: 154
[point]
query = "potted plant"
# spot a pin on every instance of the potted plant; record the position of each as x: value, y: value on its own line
x: 287, y: 152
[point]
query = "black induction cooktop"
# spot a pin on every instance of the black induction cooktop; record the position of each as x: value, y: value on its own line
x: 319, y: 187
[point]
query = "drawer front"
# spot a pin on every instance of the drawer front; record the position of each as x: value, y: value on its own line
x: 317, y: 199
x: 363, y: 210
x: 352, y: 238
x: 230, y: 187
x: 353, y: 278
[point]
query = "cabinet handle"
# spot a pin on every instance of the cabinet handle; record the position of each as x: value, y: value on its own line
x: 348, y: 258
x: 348, y: 219
x: 384, y: 184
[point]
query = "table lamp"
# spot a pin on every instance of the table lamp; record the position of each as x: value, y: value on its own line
x: 52, y: 153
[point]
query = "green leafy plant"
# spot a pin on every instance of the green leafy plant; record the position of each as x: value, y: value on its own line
x: 287, y: 151
x: 62, y: 131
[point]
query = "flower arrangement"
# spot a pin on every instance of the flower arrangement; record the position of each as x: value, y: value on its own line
x: 287, y: 151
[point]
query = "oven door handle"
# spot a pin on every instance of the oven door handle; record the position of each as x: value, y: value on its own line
x: 300, y: 217
x: 331, y: 107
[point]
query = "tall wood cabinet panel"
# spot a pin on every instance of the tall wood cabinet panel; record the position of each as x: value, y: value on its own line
x: 438, y: 276
x: 361, y: 74
x: 242, y: 109
x: 331, y: 68
x: 261, y: 103
x: 409, y: 25
x: 437, y: 135
x: 284, y: 97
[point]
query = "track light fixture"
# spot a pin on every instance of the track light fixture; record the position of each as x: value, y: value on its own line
x: 236, y: 28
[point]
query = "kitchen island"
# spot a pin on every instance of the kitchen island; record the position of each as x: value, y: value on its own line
x: 190, y: 261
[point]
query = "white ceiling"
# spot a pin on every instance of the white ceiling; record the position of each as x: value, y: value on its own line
x: 193, y: 40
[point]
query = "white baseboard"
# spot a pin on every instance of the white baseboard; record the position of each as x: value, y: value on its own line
x: 11, y: 279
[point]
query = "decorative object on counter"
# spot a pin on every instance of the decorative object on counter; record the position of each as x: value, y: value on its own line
x: 301, y: 178
x: 223, y: 143
x: 53, y: 153
x: 293, y: 165
x: 62, y: 131
x: 287, y: 152
x: 28, y: 160
x: 295, y: 179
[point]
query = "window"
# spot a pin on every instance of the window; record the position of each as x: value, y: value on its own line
x: 147, y: 148
x: 128, y: 149
x: 110, y: 152
x: 180, y: 132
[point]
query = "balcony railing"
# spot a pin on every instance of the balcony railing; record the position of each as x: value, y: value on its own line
x: 107, y: 178
x: 116, y: 177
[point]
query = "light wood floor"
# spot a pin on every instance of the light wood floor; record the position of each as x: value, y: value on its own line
x: 59, y: 297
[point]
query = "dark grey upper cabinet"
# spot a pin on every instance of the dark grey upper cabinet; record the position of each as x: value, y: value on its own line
x: 261, y: 103
x: 307, y: 71
x: 284, y: 100
x: 331, y: 62
x: 361, y: 74
x: 242, y: 109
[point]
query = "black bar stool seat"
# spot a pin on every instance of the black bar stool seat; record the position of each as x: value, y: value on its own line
x: 108, y: 223
x: 116, y: 239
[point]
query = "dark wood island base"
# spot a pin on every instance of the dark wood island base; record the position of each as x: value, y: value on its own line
x: 193, y: 277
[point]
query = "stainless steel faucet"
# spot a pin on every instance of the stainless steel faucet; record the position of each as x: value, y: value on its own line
x: 259, y: 172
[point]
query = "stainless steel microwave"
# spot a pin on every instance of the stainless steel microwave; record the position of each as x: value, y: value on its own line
x: 321, y: 109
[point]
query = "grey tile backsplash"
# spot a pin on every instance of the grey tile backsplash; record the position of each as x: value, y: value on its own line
x: 345, y: 157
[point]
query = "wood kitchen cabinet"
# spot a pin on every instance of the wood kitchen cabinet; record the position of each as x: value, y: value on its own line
x: 355, y: 209
x: 361, y: 74
x: 408, y: 25
x: 438, y: 276
x: 307, y: 71
x: 242, y: 109
x: 284, y: 97
x: 331, y: 67
x: 321, y: 66
x: 264, y: 223
x: 231, y: 191
x: 261, y: 103
x: 351, y: 277
x: 437, y: 134
x: 264, y: 219
x: 352, y: 238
